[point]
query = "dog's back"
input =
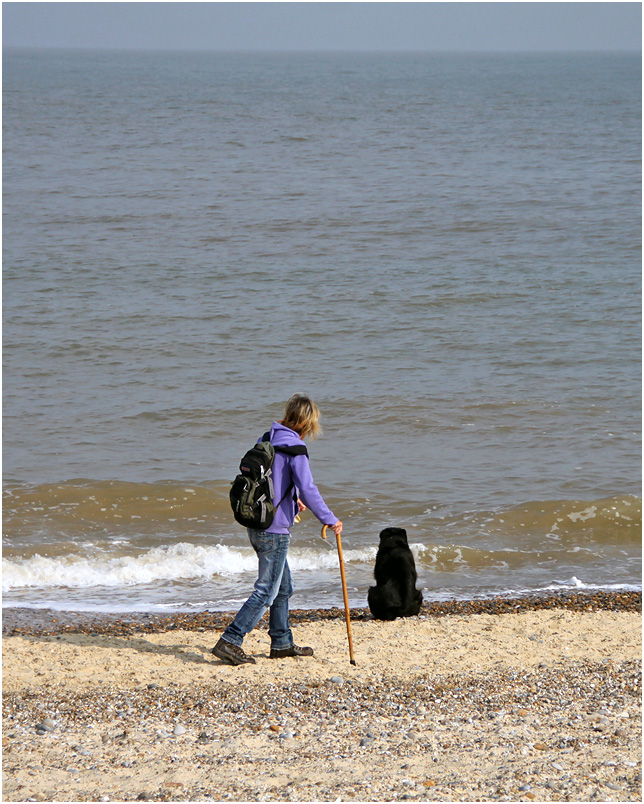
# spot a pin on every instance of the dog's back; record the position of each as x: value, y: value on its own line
x: 395, y: 593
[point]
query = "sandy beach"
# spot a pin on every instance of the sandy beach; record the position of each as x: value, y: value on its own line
x: 532, y: 705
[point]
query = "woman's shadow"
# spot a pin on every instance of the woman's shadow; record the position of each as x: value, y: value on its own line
x: 134, y: 642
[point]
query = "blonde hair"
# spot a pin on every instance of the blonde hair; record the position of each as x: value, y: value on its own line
x: 303, y: 416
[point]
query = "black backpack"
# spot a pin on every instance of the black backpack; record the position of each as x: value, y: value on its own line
x: 252, y: 496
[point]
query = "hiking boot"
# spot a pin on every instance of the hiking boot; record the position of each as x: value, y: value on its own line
x: 294, y: 650
x: 231, y: 654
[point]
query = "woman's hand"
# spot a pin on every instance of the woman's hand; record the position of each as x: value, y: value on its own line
x: 300, y: 505
x: 337, y: 528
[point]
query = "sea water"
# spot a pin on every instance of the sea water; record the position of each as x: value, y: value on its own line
x: 443, y: 250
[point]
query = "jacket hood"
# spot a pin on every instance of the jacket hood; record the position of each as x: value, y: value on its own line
x: 283, y: 436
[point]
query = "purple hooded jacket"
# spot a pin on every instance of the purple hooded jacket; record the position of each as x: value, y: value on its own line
x: 294, y: 469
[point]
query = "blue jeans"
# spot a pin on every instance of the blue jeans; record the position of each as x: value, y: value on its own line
x: 273, y: 588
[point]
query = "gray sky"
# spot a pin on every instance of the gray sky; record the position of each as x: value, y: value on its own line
x: 325, y: 26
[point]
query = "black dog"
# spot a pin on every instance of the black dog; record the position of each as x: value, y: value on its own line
x: 395, y: 593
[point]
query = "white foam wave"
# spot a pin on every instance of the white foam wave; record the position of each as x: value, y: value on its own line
x: 179, y: 562
x: 311, y: 559
x: 575, y: 583
x: 572, y: 584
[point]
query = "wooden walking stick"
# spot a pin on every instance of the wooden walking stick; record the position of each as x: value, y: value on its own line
x: 344, y: 592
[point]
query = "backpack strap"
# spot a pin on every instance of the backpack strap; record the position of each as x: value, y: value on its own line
x: 296, y: 449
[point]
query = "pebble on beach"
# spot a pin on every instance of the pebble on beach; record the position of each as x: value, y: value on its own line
x: 562, y: 729
x: 47, y: 622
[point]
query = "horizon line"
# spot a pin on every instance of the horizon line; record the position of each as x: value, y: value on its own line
x: 320, y: 51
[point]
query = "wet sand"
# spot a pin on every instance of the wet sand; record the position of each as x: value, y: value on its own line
x: 48, y: 621
x: 520, y: 702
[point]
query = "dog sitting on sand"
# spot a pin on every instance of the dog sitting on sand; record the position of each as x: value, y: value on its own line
x: 395, y: 593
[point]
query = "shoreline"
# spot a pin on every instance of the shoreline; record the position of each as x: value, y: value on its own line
x: 18, y: 620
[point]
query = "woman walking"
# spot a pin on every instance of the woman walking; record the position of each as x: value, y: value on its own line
x: 273, y: 586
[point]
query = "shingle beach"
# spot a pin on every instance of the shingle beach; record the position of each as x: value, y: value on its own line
x: 535, y: 699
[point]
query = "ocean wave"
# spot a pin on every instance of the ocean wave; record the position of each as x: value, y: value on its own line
x: 190, y: 562
x: 574, y: 584
x: 90, y: 505
x: 615, y: 519
x: 80, y: 506
x: 179, y: 562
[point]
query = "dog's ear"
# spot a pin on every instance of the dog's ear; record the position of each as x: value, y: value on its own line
x: 386, y: 535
